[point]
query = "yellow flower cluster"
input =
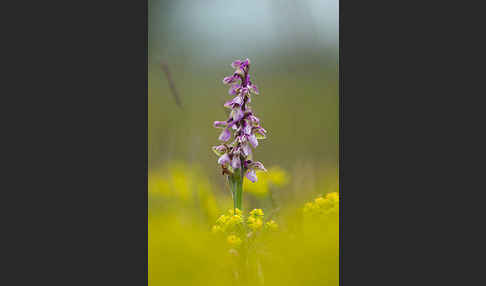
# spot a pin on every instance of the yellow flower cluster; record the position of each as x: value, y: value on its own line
x: 256, y: 212
x: 234, y: 211
x: 271, y: 225
x: 233, y: 225
x: 327, y: 205
x: 255, y: 220
x: 232, y: 222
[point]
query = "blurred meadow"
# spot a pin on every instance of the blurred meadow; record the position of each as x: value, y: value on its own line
x: 293, y: 47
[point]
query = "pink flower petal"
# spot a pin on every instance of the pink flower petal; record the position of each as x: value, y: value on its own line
x: 253, y: 140
x: 236, y: 162
x: 251, y: 175
x: 224, y: 159
x: 225, y: 135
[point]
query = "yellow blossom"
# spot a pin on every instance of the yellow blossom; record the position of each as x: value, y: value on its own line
x: 310, y: 207
x: 256, y: 225
x: 256, y: 212
x: 323, y: 205
x: 320, y: 201
x: 222, y: 219
x: 234, y: 220
x: 232, y: 211
x: 333, y: 197
x: 271, y: 225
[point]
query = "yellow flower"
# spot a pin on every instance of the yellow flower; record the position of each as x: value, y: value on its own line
x: 222, y: 219
x: 327, y: 205
x: 233, y: 240
x: 320, y: 201
x: 333, y: 197
x: 256, y: 212
x: 271, y: 225
x: 234, y: 220
x: 251, y: 219
x: 256, y: 225
x: 309, y: 207
x: 232, y: 211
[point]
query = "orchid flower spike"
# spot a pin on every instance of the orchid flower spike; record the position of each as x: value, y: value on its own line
x: 242, y: 125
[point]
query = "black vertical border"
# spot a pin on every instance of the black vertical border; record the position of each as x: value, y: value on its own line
x: 82, y: 111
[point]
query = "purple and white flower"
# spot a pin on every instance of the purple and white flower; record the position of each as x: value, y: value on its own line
x: 225, y: 135
x: 241, y: 123
x: 224, y: 159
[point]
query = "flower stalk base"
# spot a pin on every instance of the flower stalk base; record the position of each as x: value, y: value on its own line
x: 236, y: 187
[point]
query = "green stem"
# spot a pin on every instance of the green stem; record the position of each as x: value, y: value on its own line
x: 239, y: 194
x: 236, y: 186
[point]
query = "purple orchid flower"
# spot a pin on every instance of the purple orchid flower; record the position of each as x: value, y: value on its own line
x: 230, y: 79
x: 241, y: 123
x: 236, y: 162
x: 252, y: 168
x: 224, y: 159
x: 225, y: 135
x: 253, y: 88
x: 253, y: 140
x: 255, y: 165
x: 260, y: 133
x: 246, y: 150
x: 236, y: 64
x: 254, y: 120
x: 233, y: 90
x: 237, y: 113
x: 220, y: 150
x: 220, y: 124
x: 251, y: 175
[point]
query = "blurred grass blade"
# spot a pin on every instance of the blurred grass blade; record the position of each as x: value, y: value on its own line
x: 173, y: 90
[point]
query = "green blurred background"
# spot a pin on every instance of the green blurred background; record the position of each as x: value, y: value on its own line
x: 293, y: 48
